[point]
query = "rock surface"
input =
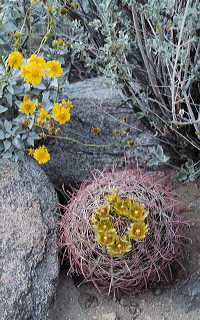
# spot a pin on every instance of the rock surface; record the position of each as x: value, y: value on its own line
x: 99, y: 106
x: 28, y: 251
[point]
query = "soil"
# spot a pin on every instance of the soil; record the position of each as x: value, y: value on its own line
x: 177, y: 300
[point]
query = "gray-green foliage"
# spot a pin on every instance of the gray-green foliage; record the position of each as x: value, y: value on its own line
x: 15, y: 138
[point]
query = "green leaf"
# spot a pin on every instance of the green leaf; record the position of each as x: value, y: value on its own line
x: 9, y: 26
x: 159, y: 152
x: 7, y: 145
x: 153, y: 162
x: 189, y: 163
x: 18, y: 143
x: 165, y: 158
x: 2, y: 135
x: 3, y: 109
x: 9, y: 98
x: 182, y: 175
x: 151, y: 149
x: 140, y: 115
x: 8, y: 125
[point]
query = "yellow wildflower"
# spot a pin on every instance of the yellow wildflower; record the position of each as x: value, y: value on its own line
x: 138, y: 230
x: 27, y: 106
x: 39, y: 60
x: 15, y: 59
x: 32, y: 72
x: 67, y: 104
x: 61, y: 114
x: 55, y: 69
x: 31, y: 152
x: 41, y: 154
x: 42, y: 117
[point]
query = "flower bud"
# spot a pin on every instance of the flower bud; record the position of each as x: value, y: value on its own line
x: 63, y: 11
x: 57, y: 131
x: 54, y: 44
x: 60, y: 41
x: 131, y: 142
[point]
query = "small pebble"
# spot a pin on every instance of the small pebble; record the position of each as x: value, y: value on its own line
x: 124, y: 302
x: 157, y: 292
x: 109, y: 316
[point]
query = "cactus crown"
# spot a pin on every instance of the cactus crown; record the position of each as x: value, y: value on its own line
x: 110, y: 221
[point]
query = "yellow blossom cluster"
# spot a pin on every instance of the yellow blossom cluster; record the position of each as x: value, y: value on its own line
x: 106, y: 234
x: 61, y: 113
x: 33, y: 71
x: 35, y: 67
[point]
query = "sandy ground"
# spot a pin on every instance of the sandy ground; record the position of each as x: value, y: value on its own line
x: 85, y: 303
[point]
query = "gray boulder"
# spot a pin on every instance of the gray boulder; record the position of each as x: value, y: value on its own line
x: 96, y: 105
x: 28, y: 244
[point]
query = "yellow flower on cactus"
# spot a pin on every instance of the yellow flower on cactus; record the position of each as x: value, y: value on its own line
x: 137, y: 212
x: 111, y: 198
x: 61, y: 114
x: 104, y: 226
x: 103, y: 212
x: 15, y: 60
x: 41, y: 154
x: 120, y: 206
x: 28, y: 106
x: 94, y: 219
x: 54, y: 68
x: 119, y: 246
x: 42, y: 117
x: 138, y: 230
x: 105, y: 239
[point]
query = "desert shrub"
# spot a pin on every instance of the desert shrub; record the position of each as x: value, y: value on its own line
x: 121, y: 231
x: 29, y: 89
x: 150, y: 49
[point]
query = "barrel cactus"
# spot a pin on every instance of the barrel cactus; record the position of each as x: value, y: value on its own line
x: 121, y: 230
